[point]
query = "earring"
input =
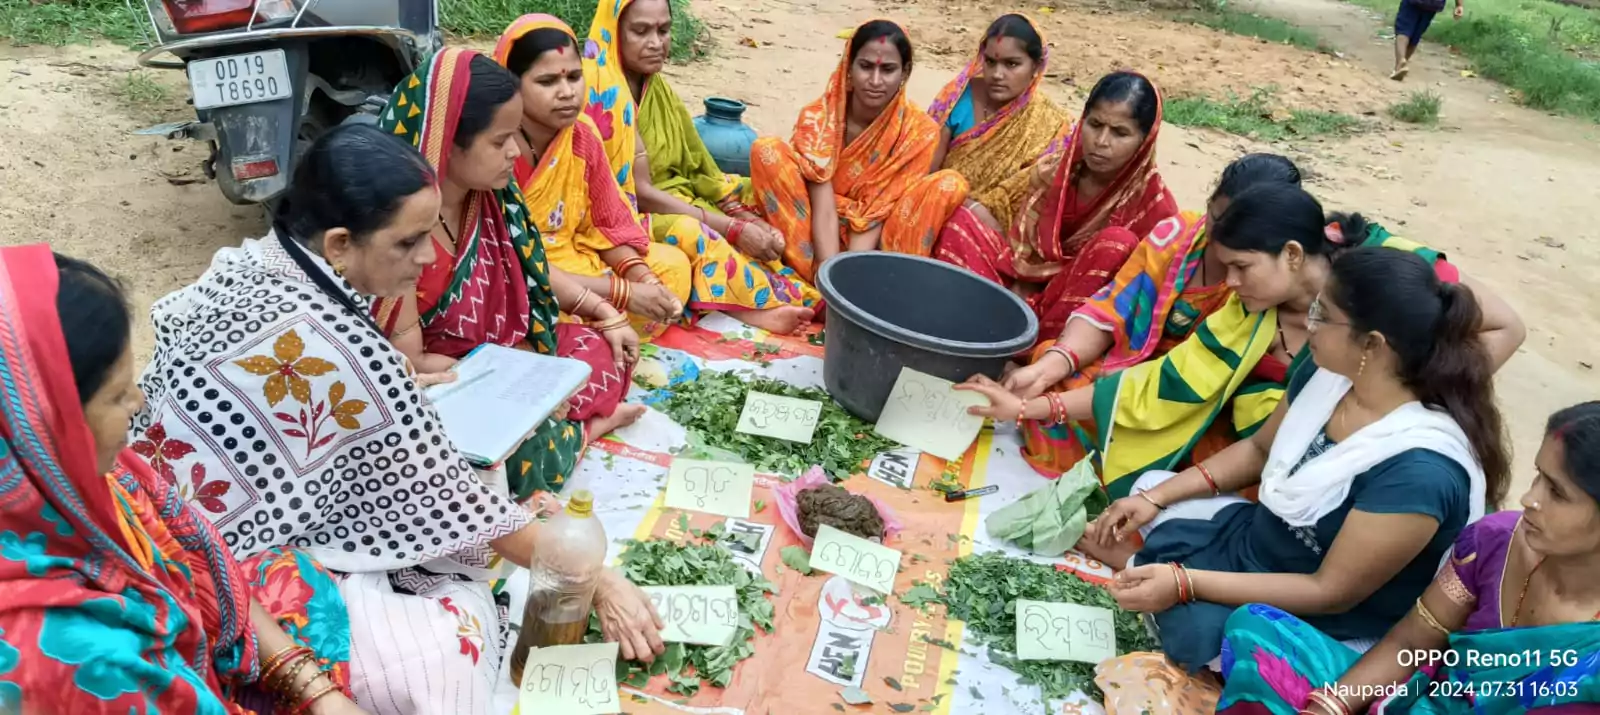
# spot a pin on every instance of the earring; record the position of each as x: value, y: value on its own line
x: 1363, y: 367
x: 1533, y: 506
x: 338, y: 269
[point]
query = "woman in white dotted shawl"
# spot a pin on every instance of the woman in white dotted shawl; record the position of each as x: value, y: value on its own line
x: 280, y: 409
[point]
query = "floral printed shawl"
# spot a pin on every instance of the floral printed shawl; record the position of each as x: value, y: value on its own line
x: 274, y: 392
x: 610, y: 102
x: 118, y: 598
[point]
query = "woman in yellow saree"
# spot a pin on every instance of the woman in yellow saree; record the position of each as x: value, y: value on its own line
x: 665, y: 170
x: 855, y: 175
x: 998, y: 128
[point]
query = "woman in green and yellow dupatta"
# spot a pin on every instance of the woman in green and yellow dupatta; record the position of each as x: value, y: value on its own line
x: 490, y: 282
x: 664, y: 167
x: 1217, y: 385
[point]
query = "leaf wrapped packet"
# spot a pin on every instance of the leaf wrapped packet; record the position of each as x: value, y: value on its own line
x: 1049, y: 521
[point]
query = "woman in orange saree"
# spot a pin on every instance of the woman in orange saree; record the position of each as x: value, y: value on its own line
x: 1069, y: 239
x: 855, y: 175
x: 996, y: 123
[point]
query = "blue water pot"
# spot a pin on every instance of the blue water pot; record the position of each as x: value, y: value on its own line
x: 726, y: 136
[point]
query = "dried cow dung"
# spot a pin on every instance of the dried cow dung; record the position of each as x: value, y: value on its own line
x: 832, y: 505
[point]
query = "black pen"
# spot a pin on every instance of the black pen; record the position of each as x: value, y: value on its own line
x: 970, y: 493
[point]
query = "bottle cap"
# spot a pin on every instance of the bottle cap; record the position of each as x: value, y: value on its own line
x: 581, y: 504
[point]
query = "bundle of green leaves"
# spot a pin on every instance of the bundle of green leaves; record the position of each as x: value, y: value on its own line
x: 664, y: 563
x: 709, y: 408
x: 983, y: 590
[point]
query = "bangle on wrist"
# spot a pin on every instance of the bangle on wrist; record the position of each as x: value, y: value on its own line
x: 1145, y: 495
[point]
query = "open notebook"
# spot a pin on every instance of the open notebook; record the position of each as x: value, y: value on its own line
x: 501, y: 396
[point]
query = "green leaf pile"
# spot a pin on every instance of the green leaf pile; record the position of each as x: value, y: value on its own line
x: 709, y: 408
x: 983, y: 590
x: 664, y: 563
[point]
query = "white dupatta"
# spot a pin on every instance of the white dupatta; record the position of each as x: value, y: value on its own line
x: 1302, y: 497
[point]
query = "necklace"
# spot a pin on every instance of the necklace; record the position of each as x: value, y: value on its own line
x: 1517, y: 614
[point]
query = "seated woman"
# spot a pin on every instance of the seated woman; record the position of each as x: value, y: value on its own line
x: 119, y: 596
x: 686, y: 200
x: 488, y: 281
x: 1222, y: 382
x: 855, y: 175
x: 1385, y: 448
x: 1068, y: 239
x: 1517, y: 608
x: 276, y: 395
x: 998, y: 129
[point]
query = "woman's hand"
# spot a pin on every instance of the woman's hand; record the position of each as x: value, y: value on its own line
x: 654, y: 301
x: 1122, y: 519
x: 1044, y: 172
x: 562, y: 411
x: 335, y: 704
x: 628, y: 618
x: 624, y: 346
x: 429, y: 379
x: 1003, y: 406
x: 1032, y: 381
x: 1150, y: 588
x: 760, y: 241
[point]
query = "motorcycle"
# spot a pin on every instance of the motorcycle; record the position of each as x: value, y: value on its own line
x: 267, y: 77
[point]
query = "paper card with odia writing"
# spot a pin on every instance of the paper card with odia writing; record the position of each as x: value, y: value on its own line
x: 712, y: 487
x: 705, y: 615
x: 928, y: 413
x: 785, y: 418
x: 1065, y: 631
x: 570, y: 680
x: 858, y: 560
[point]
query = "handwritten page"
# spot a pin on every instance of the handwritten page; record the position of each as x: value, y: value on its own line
x: 570, y: 680
x: 500, y: 396
x: 785, y: 418
x: 858, y: 560
x: 925, y: 412
x: 704, y: 615
x: 1065, y: 631
x: 712, y: 487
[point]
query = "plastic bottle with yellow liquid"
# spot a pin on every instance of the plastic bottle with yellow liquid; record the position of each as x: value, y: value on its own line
x: 568, y: 559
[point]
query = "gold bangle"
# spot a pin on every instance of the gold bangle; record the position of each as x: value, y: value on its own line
x: 1427, y: 616
x: 1145, y: 495
x: 274, y: 661
x: 583, y: 297
x: 616, y: 321
x: 286, y: 680
x: 305, y: 705
x: 401, y: 333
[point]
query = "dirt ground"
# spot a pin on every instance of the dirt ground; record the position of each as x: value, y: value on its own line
x: 1502, y: 189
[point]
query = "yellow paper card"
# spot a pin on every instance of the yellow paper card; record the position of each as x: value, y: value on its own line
x: 927, y: 413
x: 856, y: 559
x: 1065, y: 631
x: 704, y: 615
x: 712, y: 487
x: 570, y: 680
x: 784, y: 418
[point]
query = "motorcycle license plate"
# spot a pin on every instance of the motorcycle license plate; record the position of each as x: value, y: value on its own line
x: 239, y: 79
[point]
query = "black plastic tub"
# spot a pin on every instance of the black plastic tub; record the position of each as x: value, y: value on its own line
x: 887, y: 311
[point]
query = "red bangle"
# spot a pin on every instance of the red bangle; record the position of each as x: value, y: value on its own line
x: 1210, y: 480
x: 1072, y: 358
x: 1177, y: 578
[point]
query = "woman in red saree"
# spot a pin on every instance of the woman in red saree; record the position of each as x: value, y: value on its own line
x: 1069, y: 238
x: 490, y: 282
x: 116, y: 596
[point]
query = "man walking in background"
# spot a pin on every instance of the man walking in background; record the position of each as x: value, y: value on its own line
x: 1410, y: 22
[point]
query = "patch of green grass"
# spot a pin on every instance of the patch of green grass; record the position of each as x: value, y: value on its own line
x: 140, y: 92
x: 25, y: 22
x: 488, y: 18
x: 1548, y: 52
x: 1419, y: 107
x: 1250, y: 24
x: 1255, y: 117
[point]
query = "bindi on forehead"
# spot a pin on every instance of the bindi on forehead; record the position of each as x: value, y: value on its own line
x: 561, y: 50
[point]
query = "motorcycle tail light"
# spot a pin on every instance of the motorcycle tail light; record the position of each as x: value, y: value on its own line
x: 191, y: 17
x: 247, y: 169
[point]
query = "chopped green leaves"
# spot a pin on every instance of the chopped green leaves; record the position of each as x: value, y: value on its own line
x: 920, y: 595
x: 664, y: 563
x: 709, y: 408
x: 983, y: 590
x: 797, y: 558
